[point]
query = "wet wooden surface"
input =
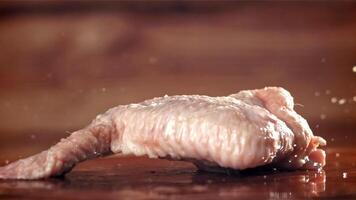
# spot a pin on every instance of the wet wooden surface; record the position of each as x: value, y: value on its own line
x: 142, y: 178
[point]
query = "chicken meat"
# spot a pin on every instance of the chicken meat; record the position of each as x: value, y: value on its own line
x: 248, y: 129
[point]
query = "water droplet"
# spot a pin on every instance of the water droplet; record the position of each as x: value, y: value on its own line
x: 306, y: 179
x: 332, y: 139
x: 298, y: 104
x: 7, y: 162
x: 320, y: 170
x: 354, y: 68
x: 264, y: 177
x: 98, y: 116
x: 344, y: 175
x: 342, y: 101
x: 295, y: 155
x: 317, y: 93
x: 337, y: 155
x: 152, y: 60
x: 25, y: 107
x: 33, y: 136
x: 322, y: 116
x: 199, y: 188
x: 294, y: 145
x: 333, y: 100
x: 327, y: 92
x: 49, y: 75
x: 103, y: 89
x: 354, y: 98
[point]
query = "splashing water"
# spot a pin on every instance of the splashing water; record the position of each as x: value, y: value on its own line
x: 333, y: 100
x: 342, y: 101
x: 344, y: 175
x: 322, y: 116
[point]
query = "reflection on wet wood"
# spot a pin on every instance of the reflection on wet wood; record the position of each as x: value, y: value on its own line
x: 141, y: 178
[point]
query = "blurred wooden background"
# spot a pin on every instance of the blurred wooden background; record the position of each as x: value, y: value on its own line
x: 63, y: 62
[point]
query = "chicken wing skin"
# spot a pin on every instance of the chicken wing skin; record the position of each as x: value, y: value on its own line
x: 244, y: 130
